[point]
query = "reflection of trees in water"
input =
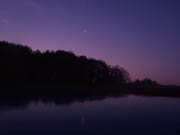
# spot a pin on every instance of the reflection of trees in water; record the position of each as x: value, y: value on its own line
x: 21, y: 100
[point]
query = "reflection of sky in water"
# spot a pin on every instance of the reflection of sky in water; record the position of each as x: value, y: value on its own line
x: 126, y: 115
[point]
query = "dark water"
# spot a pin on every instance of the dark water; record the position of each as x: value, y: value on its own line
x: 128, y: 115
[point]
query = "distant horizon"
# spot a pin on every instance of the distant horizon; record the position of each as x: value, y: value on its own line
x: 142, y: 36
x: 133, y: 79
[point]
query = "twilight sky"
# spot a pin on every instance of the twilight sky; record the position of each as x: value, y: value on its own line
x: 143, y: 36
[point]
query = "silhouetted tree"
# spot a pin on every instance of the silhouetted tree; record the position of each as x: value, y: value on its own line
x: 22, y: 66
x: 146, y: 82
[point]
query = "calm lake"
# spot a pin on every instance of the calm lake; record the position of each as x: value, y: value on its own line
x: 128, y: 115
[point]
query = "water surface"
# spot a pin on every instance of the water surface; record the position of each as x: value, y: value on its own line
x: 128, y: 115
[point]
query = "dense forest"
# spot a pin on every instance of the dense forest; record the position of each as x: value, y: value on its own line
x: 20, y: 65
x: 35, y: 73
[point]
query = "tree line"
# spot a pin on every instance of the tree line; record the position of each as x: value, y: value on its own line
x: 20, y: 65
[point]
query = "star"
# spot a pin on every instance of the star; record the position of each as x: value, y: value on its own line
x: 85, y: 31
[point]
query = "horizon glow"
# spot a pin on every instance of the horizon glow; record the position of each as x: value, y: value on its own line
x: 142, y: 36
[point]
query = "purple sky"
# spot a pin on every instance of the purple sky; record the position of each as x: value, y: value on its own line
x: 142, y: 36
